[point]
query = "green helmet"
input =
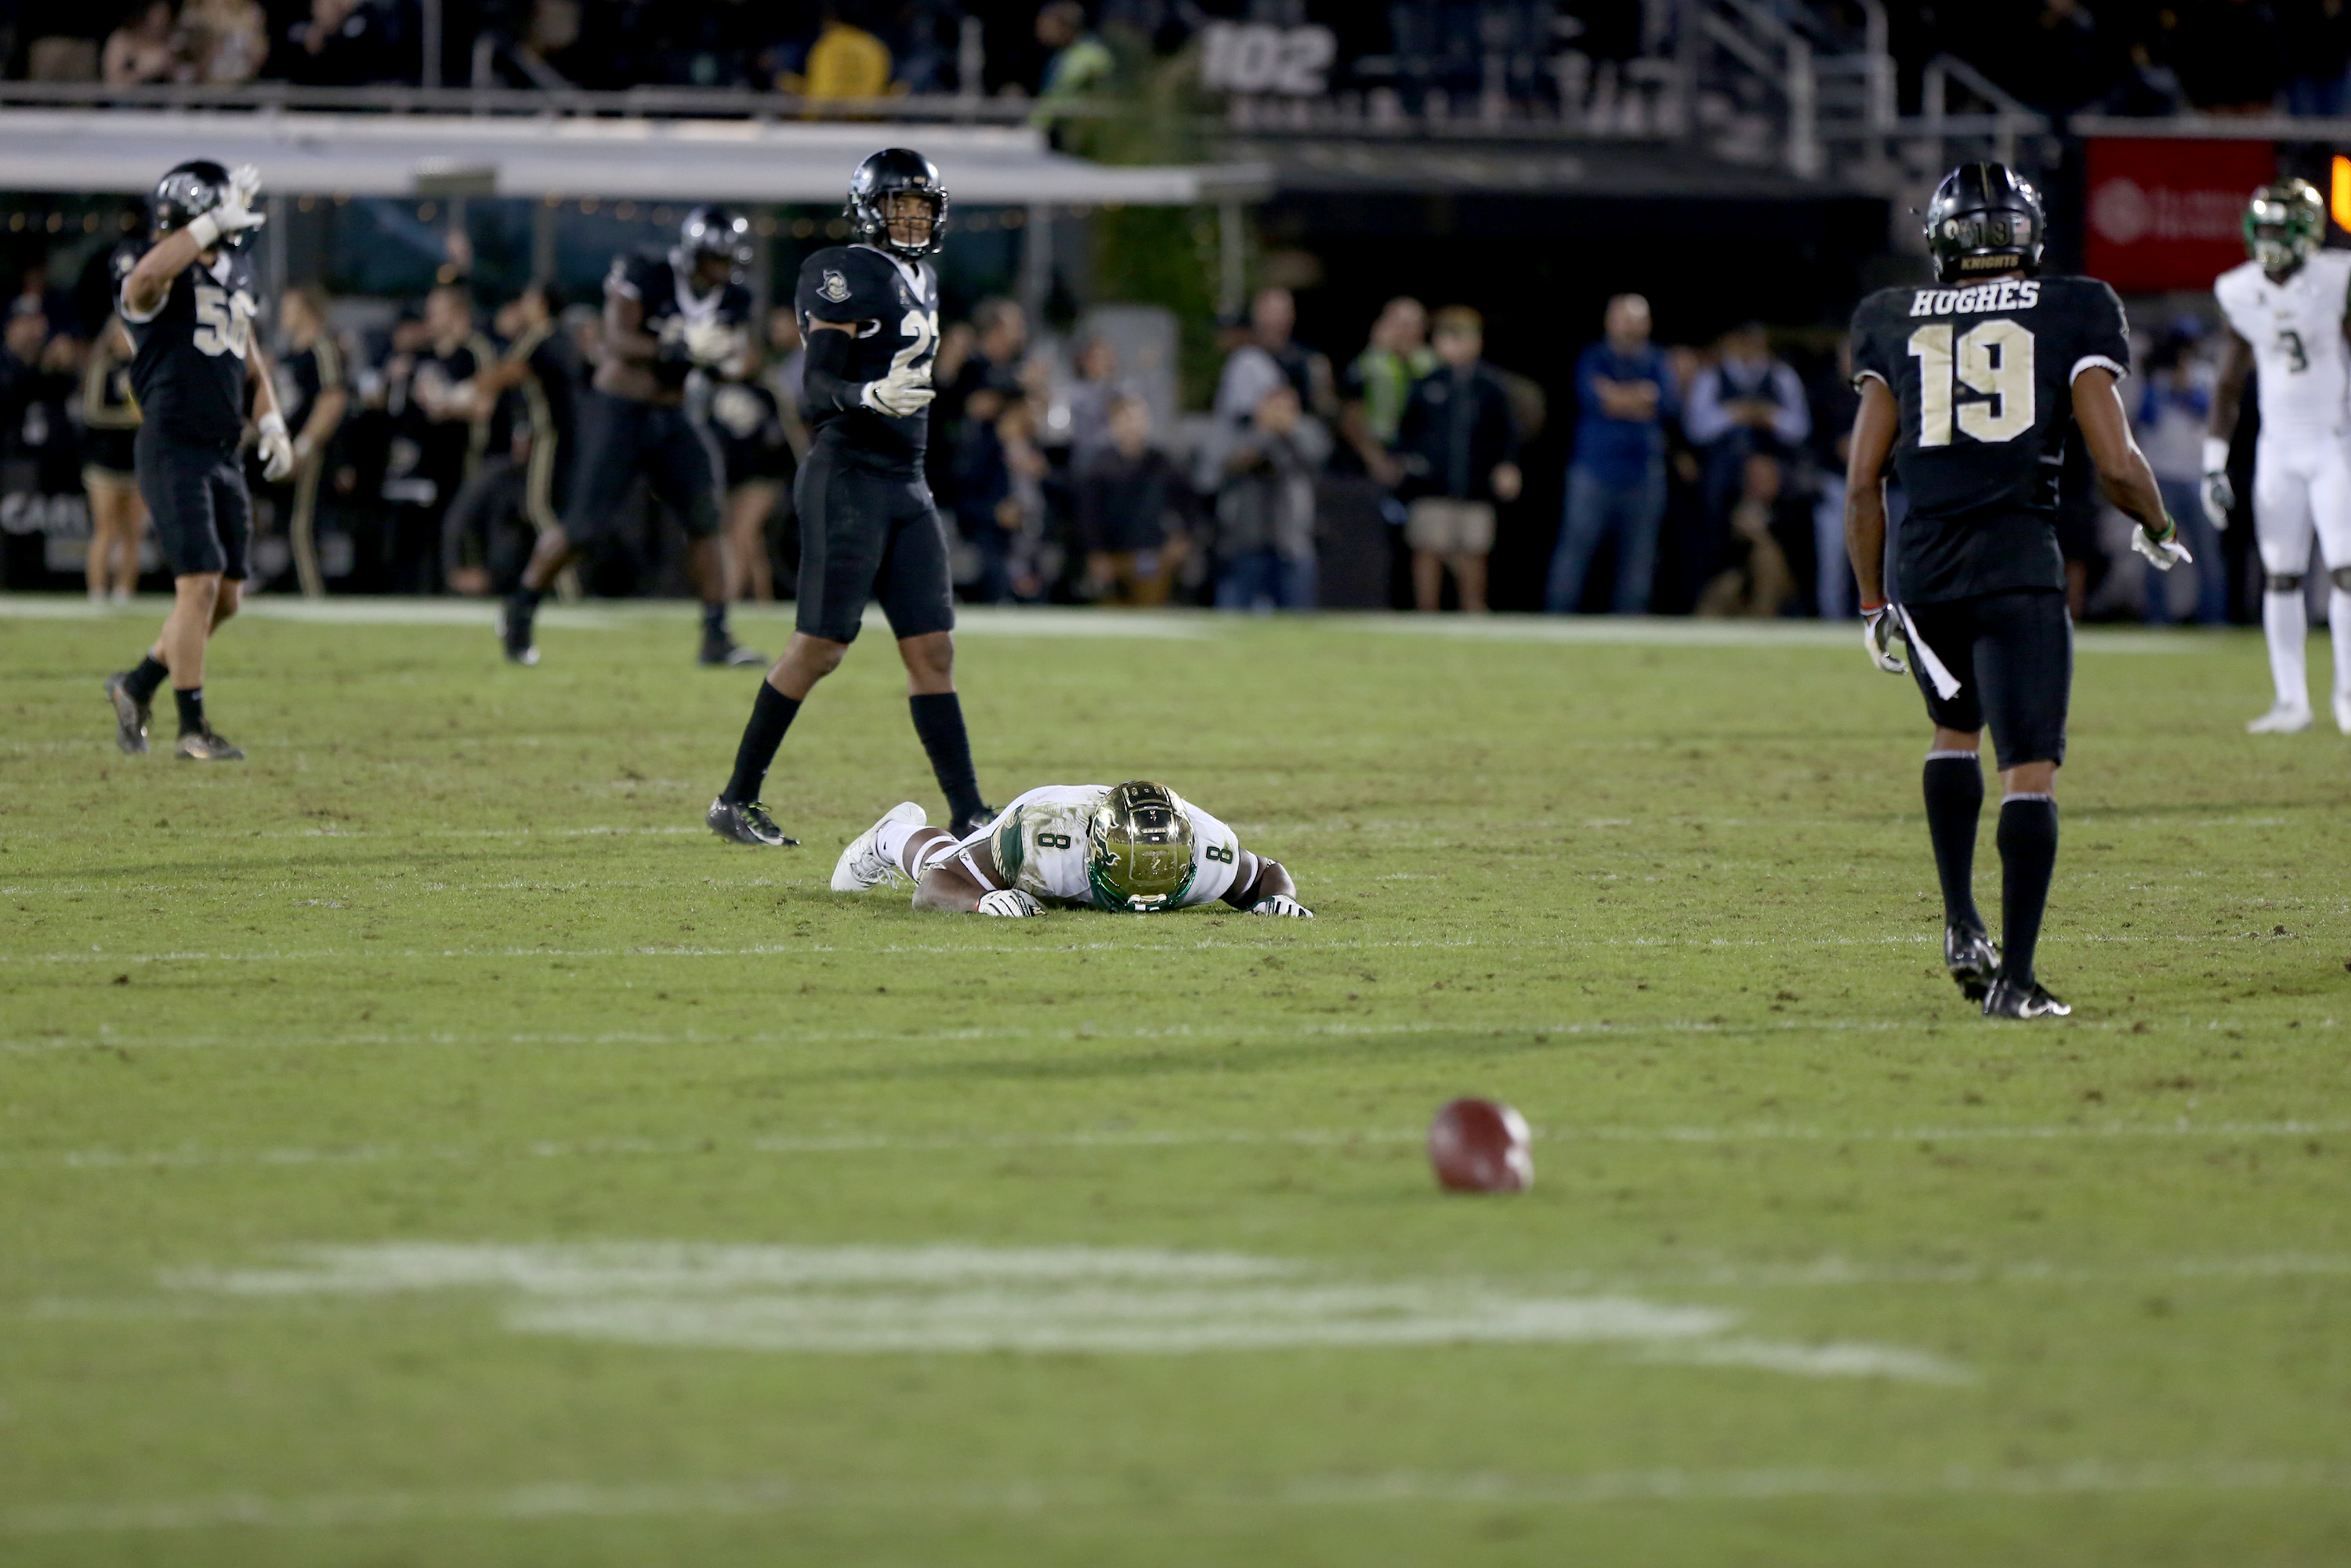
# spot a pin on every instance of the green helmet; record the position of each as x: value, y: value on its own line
x: 1139, y: 849
x: 2284, y: 224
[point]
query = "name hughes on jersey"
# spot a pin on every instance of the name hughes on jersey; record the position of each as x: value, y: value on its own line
x: 2008, y: 294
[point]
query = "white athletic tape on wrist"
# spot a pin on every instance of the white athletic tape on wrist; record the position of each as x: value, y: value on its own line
x: 2216, y: 455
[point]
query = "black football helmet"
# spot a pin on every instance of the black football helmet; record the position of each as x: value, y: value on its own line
x: 716, y: 231
x: 1984, y: 218
x: 186, y: 192
x: 887, y: 172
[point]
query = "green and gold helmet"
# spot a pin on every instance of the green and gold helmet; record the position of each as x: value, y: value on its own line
x: 2284, y: 224
x: 1139, y: 850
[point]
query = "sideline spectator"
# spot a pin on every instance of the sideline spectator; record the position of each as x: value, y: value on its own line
x: 1757, y: 580
x: 1085, y: 408
x: 341, y: 43
x: 1128, y: 493
x: 1746, y: 402
x: 140, y: 49
x: 1458, y: 445
x: 1833, y: 405
x: 846, y: 62
x: 1379, y: 381
x: 1267, y: 354
x: 1616, y: 485
x: 1265, y: 505
x: 1079, y: 62
x: 2174, y: 409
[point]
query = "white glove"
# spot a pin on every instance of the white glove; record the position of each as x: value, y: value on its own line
x: 1282, y: 903
x: 711, y: 344
x: 2162, y: 551
x: 2220, y: 496
x: 234, y: 214
x: 277, y: 451
x: 1010, y: 902
x: 904, y: 391
x: 1879, y: 628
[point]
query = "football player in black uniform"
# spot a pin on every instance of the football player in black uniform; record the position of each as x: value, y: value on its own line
x: 663, y: 315
x: 869, y: 315
x: 189, y: 304
x: 1973, y: 388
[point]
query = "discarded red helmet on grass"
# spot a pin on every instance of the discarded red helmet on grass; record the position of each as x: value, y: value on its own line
x: 1481, y: 1145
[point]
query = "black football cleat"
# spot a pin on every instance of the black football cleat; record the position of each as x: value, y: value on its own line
x: 514, y: 635
x: 746, y: 823
x: 2010, y: 998
x: 725, y: 652
x: 964, y: 827
x: 1971, y: 957
x: 203, y: 746
x: 130, y: 716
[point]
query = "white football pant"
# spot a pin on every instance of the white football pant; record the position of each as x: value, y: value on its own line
x: 2299, y: 488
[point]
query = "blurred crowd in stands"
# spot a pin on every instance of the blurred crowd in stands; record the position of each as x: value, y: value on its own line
x: 434, y: 442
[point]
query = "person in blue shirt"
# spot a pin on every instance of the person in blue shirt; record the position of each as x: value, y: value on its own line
x: 1616, y: 485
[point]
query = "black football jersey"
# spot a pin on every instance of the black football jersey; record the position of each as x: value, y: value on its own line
x: 1984, y: 376
x: 188, y: 372
x: 895, y: 306
x: 671, y: 306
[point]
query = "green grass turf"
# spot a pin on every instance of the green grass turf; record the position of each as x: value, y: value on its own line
x: 450, y: 960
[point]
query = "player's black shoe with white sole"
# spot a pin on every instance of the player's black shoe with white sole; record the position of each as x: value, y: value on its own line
x: 1971, y: 957
x: 746, y: 823
x: 203, y: 746
x: 2010, y: 998
x: 514, y: 635
x: 964, y: 827
x: 130, y: 716
x: 727, y: 653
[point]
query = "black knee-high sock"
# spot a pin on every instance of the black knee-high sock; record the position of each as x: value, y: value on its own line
x: 938, y: 719
x: 771, y: 714
x: 1955, y: 791
x: 150, y: 674
x: 192, y: 709
x: 2028, y: 858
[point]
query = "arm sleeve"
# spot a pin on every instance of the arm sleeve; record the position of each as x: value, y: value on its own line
x: 2104, y: 341
x: 1704, y: 419
x: 825, y: 382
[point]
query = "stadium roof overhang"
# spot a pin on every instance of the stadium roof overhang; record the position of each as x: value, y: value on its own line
x: 124, y: 150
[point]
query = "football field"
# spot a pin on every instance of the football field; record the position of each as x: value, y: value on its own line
x: 425, y: 1144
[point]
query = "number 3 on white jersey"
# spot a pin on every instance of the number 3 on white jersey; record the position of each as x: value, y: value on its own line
x: 921, y: 330
x: 1994, y: 358
x: 223, y: 322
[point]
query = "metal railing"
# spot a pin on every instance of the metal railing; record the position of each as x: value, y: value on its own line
x: 679, y: 102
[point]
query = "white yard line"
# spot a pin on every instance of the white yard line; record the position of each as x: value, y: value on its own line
x: 558, y: 1501
x: 194, y: 1157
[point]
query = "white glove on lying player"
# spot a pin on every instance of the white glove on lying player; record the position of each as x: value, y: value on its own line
x: 1008, y: 901
x: 277, y: 451
x: 2162, y: 551
x: 1282, y: 903
x: 904, y: 391
x: 711, y: 344
x: 234, y: 214
x: 1879, y: 628
x: 2220, y: 496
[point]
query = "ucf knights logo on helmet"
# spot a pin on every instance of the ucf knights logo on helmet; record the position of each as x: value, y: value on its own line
x: 1984, y: 218
x: 187, y: 191
x: 2284, y: 224
x: 1139, y: 850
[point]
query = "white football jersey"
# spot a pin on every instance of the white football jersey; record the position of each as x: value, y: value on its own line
x: 1040, y: 842
x: 2296, y: 328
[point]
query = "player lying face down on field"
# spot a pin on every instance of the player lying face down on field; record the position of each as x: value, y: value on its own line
x: 1136, y: 848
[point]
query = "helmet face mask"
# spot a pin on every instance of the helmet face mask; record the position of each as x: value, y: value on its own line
x: 712, y: 232
x: 1984, y: 219
x: 2284, y: 224
x: 186, y: 192
x: 1139, y: 850
x: 896, y: 171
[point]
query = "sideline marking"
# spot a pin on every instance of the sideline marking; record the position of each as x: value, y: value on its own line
x: 863, y: 1301
x: 548, y: 1501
